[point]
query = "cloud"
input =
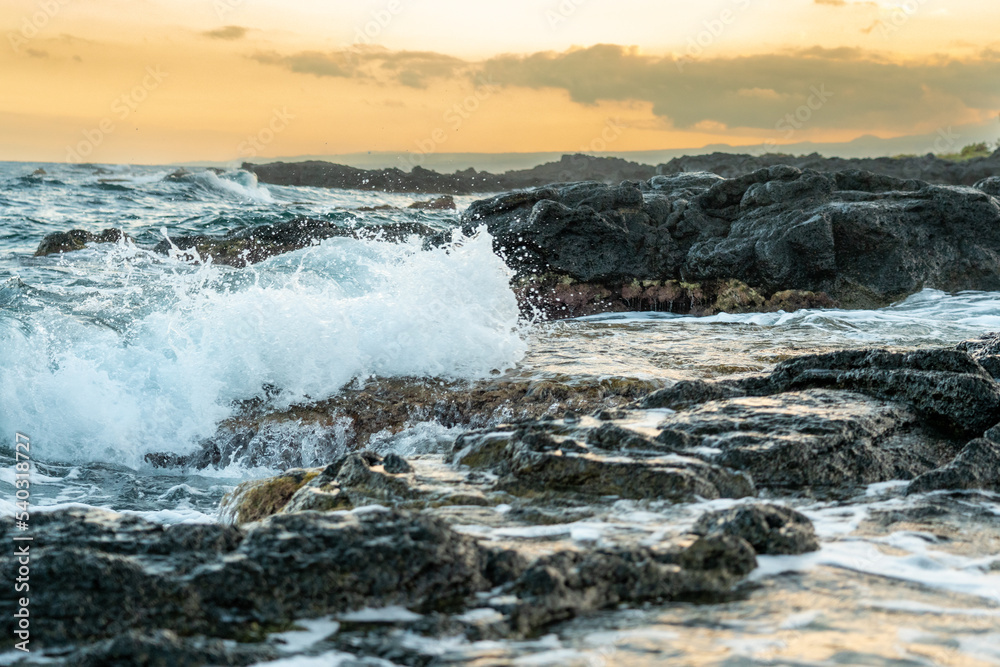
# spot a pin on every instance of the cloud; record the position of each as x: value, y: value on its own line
x: 229, y: 33
x: 311, y: 62
x: 862, y: 90
x: 37, y: 53
x: 845, y: 3
x: 414, y: 68
x: 410, y: 68
x: 758, y: 91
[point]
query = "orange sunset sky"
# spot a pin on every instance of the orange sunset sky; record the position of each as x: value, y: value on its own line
x: 157, y: 81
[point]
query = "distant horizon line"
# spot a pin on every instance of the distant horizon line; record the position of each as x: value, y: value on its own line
x: 864, y: 146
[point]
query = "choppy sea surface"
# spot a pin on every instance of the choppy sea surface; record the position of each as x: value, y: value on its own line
x: 113, y: 352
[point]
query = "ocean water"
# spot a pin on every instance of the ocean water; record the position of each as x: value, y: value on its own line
x: 113, y: 352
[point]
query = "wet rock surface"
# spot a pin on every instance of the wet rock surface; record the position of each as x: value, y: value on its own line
x: 250, y: 246
x: 770, y: 529
x: 108, y: 574
x: 818, y: 424
x: 816, y: 441
x: 558, y: 587
x: 167, y: 596
x: 977, y: 466
x: 528, y: 524
x: 360, y: 417
x: 826, y: 421
x: 163, y: 648
x: 540, y: 460
x: 76, y: 239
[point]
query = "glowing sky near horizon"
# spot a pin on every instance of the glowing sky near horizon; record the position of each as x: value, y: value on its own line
x: 306, y: 77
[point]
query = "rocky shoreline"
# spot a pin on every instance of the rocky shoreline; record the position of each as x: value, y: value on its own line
x: 573, y: 168
x: 929, y: 168
x: 486, y: 542
x: 419, y: 180
x: 778, y: 238
x: 368, y: 530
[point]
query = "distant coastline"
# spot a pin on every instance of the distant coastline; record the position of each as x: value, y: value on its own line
x: 575, y: 168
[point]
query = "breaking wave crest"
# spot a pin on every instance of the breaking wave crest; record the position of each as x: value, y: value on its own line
x: 198, y: 339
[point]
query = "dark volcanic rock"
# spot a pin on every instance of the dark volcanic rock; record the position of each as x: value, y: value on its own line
x: 256, y: 244
x: 76, y: 239
x: 144, y: 594
x: 535, y: 461
x: 852, y: 237
x: 386, y: 406
x: 770, y: 529
x: 395, y: 464
x: 588, y: 231
x: 778, y: 238
x: 947, y: 387
x: 106, y: 574
x: 926, y: 168
x: 689, y: 393
x: 819, y: 440
x: 569, y: 168
x: 164, y: 648
x: 821, y: 424
x: 579, y: 167
x: 314, y: 173
x: 444, y: 203
x: 986, y: 351
x: 990, y: 186
x: 563, y: 473
x: 977, y: 466
x: 567, y: 583
x: 838, y: 419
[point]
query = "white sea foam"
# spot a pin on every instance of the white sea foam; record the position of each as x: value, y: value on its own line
x: 392, y: 614
x: 902, y: 555
x: 330, y: 659
x: 311, y: 632
x: 239, y: 184
x: 928, y: 312
x: 348, y: 309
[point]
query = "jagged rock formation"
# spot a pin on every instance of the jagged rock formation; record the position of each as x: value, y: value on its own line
x: 775, y: 235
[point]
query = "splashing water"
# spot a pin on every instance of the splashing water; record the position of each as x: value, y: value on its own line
x: 116, y: 372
